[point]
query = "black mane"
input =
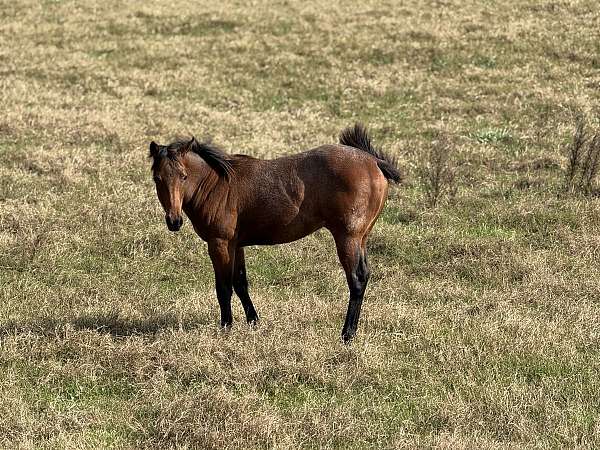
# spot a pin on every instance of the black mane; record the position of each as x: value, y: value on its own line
x: 209, y: 152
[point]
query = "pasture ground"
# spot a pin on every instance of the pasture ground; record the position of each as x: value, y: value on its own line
x: 481, y: 321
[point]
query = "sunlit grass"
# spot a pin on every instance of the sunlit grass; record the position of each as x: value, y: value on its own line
x: 479, y: 327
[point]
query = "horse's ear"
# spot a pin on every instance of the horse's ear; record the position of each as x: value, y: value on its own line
x: 189, y: 146
x: 153, y: 149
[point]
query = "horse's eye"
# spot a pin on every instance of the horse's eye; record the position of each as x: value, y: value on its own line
x: 184, y: 177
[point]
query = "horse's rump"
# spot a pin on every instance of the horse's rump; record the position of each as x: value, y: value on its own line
x: 358, y: 137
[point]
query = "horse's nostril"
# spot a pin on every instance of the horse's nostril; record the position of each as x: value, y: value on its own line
x: 174, y: 224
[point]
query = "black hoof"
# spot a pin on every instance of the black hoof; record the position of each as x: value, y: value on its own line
x: 347, y: 336
x: 252, y: 317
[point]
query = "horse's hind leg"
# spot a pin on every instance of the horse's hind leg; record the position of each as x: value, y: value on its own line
x: 240, y: 285
x: 354, y: 261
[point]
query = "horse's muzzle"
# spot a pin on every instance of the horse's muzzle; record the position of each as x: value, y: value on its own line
x: 174, y: 224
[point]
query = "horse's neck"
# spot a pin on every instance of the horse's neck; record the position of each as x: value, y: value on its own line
x: 203, y: 184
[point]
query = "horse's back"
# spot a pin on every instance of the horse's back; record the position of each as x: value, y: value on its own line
x: 287, y: 198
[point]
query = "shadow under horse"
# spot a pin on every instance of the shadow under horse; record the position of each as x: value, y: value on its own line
x: 234, y: 201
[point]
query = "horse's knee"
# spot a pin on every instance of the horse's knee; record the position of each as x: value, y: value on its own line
x: 224, y: 292
x: 240, y: 284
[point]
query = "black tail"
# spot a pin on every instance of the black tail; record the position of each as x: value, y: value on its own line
x: 358, y: 137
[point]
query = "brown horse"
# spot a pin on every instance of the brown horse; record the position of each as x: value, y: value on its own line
x: 235, y: 200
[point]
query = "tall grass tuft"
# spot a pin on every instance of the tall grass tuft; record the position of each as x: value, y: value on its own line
x: 436, y: 171
x: 583, y: 156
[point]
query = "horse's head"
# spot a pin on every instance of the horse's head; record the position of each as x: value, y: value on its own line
x: 170, y: 175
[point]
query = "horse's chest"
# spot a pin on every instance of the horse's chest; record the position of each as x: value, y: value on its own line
x: 214, y: 224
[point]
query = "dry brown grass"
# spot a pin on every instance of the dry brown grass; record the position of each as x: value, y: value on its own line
x: 480, y: 324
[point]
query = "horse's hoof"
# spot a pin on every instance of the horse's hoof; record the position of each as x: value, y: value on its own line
x: 253, y: 323
x: 348, y: 336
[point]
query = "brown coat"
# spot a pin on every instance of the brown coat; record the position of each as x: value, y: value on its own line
x: 236, y: 201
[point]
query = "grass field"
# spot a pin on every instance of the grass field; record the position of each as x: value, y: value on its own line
x: 480, y: 327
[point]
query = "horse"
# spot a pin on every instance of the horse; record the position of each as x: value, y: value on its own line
x: 234, y: 201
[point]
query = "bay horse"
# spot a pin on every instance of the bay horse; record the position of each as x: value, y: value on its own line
x: 234, y: 201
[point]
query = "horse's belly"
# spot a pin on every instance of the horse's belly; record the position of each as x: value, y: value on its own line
x: 284, y: 215
x: 271, y: 235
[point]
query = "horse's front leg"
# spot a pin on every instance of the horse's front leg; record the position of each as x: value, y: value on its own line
x: 222, y: 255
x: 240, y: 286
